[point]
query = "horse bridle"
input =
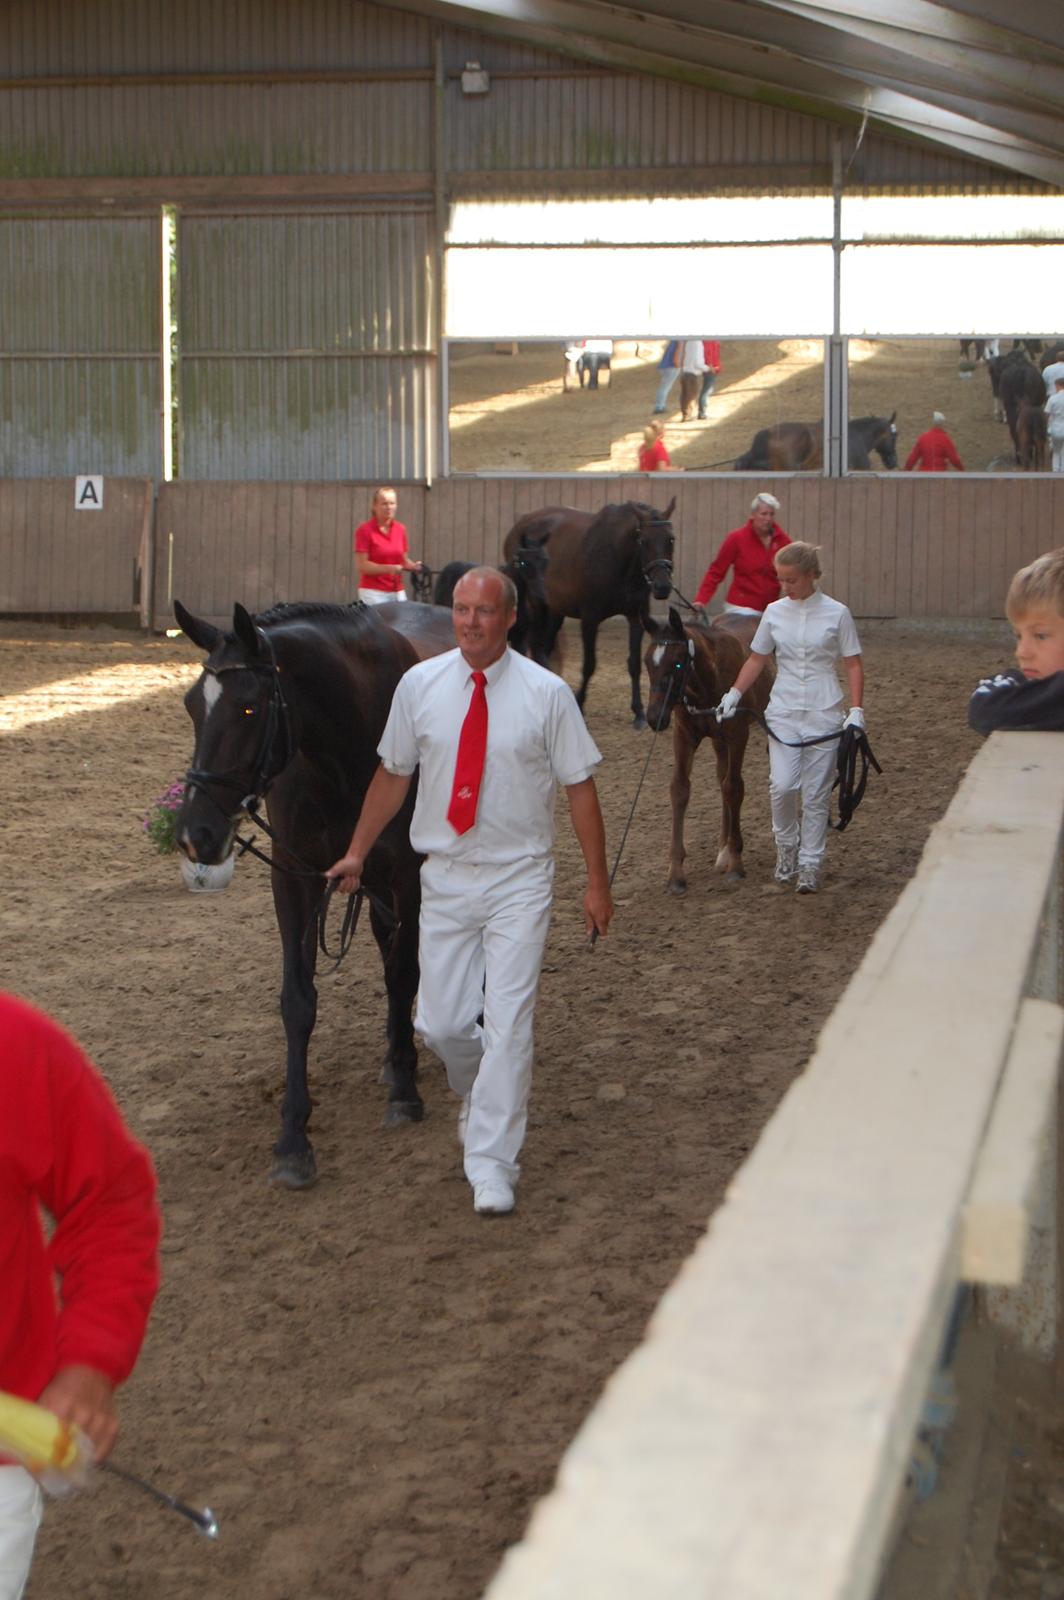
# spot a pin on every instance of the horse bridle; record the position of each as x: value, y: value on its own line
x: 677, y: 679
x: 265, y: 770
x: 658, y: 561
x: 266, y: 766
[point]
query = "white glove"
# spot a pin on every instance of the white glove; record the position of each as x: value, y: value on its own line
x: 854, y: 718
x: 729, y: 705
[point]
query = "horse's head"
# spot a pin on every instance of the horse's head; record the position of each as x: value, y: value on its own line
x: 656, y: 542
x: 669, y: 658
x: 243, y: 732
x: 885, y: 444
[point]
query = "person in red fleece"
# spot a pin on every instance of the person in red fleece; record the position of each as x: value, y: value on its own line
x: 653, y: 456
x: 64, y: 1147
x: 934, y: 451
x: 751, y: 552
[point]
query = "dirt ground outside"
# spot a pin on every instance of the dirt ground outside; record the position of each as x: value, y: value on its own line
x: 370, y: 1385
x: 508, y: 411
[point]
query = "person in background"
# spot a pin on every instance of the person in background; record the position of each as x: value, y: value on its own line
x: 1029, y: 697
x: 692, y: 371
x: 65, y: 1148
x: 711, y: 355
x: 381, y: 552
x: 750, y: 552
x: 669, y: 371
x: 934, y: 451
x: 1055, y: 423
x: 492, y: 735
x: 653, y: 456
x: 808, y: 632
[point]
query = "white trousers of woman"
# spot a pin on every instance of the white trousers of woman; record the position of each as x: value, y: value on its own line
x: 1056, y: 445
x: 807, y: 774
x: 482, y: 933
x: 379, y: 597
x: 21, y: 1503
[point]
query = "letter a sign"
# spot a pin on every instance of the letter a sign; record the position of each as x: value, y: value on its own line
x: 88, y: 494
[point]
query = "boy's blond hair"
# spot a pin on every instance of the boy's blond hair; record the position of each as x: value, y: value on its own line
x: 806, y: 557
x: 1037, y: 587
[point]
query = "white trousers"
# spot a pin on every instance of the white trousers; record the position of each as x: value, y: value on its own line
x: 1056, y: 445
x: 380, y: 597
x: 808, y: 774
x: 482, y: 935
x: 21, y: 1503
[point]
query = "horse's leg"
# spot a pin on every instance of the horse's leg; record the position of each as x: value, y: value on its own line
x: 398, y: 948
x: 293, y: 1155
x: 730, y: 750
x: 635, y: 669
x: 683, y: 755
x: 589, y: 627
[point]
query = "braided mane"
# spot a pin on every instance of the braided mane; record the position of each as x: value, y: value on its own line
x: 296, y: 610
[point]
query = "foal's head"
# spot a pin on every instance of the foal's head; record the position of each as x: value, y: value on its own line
x: 671, y: 661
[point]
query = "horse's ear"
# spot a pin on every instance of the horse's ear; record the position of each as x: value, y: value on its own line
x: 666, y: 515
x: 676, y: 622
x: 245, y: 630
x: 205, y: 634
x: 893, y: 418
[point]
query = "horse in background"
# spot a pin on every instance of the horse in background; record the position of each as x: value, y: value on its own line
x: 799, y: 446
x: 601, y: 564
x: 289, y: 708
x: 1020, y: 382
x: 527, y: 570
x: 1032, y: 438
x: 691, y: 666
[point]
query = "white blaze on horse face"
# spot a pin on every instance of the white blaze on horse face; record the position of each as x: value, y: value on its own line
x: 212, y: 692
x: 658, y: 654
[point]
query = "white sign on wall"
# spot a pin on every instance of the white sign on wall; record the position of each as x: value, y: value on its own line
x: 88, y: 493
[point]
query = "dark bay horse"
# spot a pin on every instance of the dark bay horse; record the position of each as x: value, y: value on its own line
x: 602, y: 564
x: 290, y: 706
x: 799, y: 446
x: 527, y: 570
x: 691, y: 665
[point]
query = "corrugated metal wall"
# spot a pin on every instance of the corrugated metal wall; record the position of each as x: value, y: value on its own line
x: 79, y: 342
x: 306, y: 345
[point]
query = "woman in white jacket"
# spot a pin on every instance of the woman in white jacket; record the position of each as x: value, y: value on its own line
x: 808, y: 632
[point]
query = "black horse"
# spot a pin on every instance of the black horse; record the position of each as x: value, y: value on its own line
x: 527, y: 570
x: 602, y: 564
x: 290, y: 706
x: 799, y: 446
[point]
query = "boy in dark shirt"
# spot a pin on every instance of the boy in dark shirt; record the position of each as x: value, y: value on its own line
x: 1031, y: 696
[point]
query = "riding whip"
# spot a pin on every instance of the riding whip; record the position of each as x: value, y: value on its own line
x: 60, y: 1457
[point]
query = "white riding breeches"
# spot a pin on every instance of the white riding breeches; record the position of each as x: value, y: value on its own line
x: 21, y: 1503
x: 380, y: 597
x: 482, y: 933
x: 808, y: 773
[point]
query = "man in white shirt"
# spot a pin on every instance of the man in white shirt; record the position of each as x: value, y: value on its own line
x: 485, y: 890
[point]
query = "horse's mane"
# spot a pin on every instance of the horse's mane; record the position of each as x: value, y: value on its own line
x: 296, y: 610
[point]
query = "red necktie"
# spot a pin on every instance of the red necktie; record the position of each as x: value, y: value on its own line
x: 469, y: 767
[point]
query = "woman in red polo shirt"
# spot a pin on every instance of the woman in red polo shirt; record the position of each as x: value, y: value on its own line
x: 381, y: 552
x: 750, y: 551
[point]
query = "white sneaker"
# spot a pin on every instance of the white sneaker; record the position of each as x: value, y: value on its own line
x: 786, y: 862
x: 463, y: 1120
x: 493, y: 1197
x: 808, y: 880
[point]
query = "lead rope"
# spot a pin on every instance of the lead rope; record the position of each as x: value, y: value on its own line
x: 592, y: 938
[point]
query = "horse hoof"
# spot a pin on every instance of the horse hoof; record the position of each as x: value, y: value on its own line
x: 734, y: 877
x: 397, y: 1113
x: 639, y: 723
x: 294, y: 1172
x: 677, y: 886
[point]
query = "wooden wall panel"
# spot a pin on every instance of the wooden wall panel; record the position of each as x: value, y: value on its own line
x: 897, y: 545
x: 55, y: 559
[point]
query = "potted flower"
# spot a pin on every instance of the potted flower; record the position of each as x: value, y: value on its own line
x: 160, y: 825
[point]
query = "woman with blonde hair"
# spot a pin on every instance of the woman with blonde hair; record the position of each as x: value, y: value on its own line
x: 381, y: 552
x: 653, y: 456
x: 808, y: 632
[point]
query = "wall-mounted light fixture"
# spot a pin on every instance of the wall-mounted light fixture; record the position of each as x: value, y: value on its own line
x: 474, y: 79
